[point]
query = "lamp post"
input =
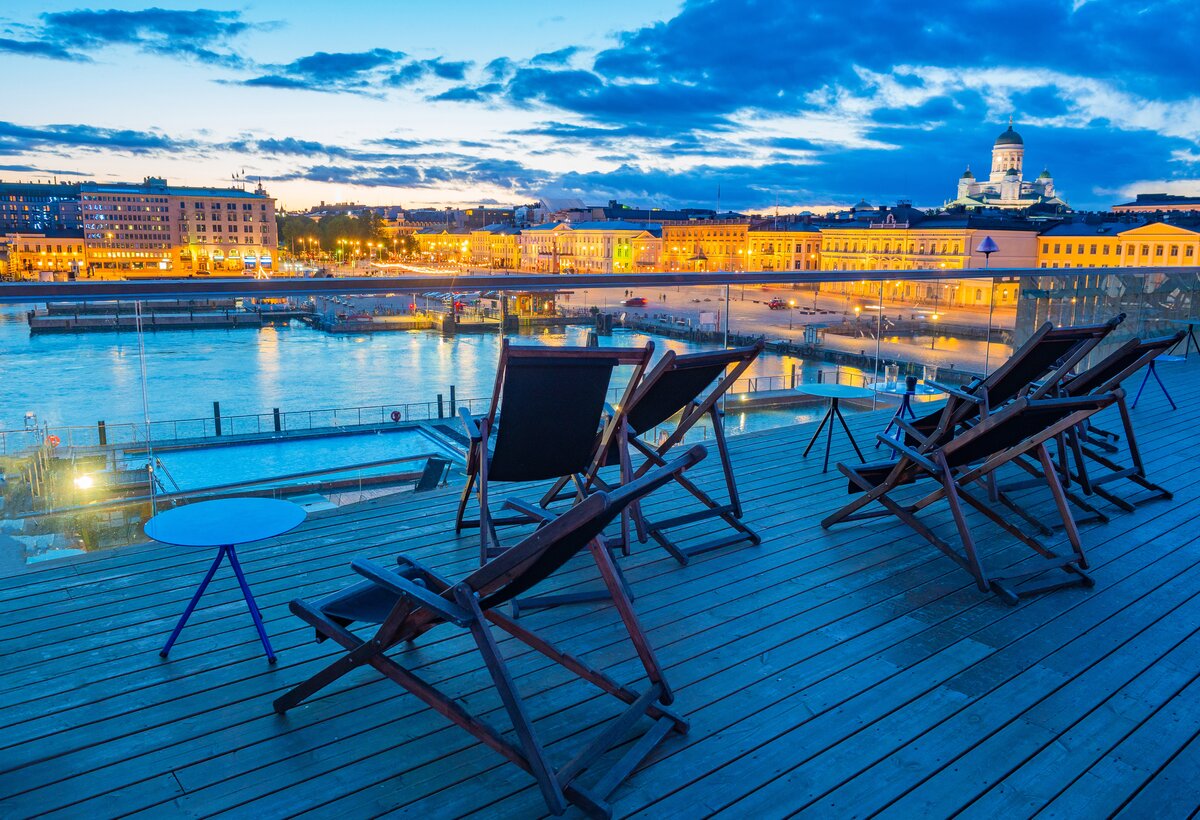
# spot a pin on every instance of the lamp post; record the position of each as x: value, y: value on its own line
x: 791, y: 309
x: 987, y: 247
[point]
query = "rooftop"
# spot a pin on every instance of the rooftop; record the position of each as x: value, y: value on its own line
x: 849, y: 670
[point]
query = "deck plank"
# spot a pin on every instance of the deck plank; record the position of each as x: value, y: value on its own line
x: 854, y: 669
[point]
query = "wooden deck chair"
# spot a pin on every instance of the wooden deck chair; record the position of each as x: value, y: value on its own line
x: 1035, y: 369
x: 405, y: 604
x: 1089, y: 443
x: 691, y: 387
x: 970, y: 457
x: 547, y: 410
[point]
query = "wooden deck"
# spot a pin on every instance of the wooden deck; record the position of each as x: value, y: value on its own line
x: 841, y: 673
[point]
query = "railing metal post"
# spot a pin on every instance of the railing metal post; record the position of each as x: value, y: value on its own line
x: 102, y: 433
x: 452, y: 407
x: 441, y: 413
x: 276, y: 414
x: 217, y: 417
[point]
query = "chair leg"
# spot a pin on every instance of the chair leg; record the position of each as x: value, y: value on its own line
x: 462, y: 503
x: 534, y: 754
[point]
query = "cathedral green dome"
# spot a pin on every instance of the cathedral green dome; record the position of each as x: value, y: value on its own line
x: 1010, y: 137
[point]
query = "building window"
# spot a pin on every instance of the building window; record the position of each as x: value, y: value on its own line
x: 1057, y: 249
x: 1158, y: 250
x: 1174, y: 250
x: 1093, y: 250
x: 1045, y: 247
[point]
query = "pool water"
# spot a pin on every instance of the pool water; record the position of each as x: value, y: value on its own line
x: 205, y: 467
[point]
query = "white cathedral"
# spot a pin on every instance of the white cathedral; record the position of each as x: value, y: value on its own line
x: 1005, y: 186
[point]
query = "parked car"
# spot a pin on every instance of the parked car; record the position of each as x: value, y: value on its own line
x: 777, y: 304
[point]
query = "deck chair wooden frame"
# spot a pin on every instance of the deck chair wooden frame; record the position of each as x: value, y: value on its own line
x: 667, y: 391
x: 405, y: 604
x: 1091, y: 444
x: 1034, y: 370
x: 675, y: 385
x: 1023, y: 426
x: 575, y: 463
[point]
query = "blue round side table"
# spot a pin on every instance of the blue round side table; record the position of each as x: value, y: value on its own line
x: 224, y: 524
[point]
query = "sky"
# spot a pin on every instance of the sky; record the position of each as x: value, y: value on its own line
x: 656, y: 103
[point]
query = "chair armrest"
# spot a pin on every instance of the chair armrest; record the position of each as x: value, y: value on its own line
x: 957, y: 393
x: 471, y: 424
x: 399, y: 585
x: 909, y: 453
x: 538, y: 514
x: 409, y: 567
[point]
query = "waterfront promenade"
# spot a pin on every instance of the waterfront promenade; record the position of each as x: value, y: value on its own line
x: 838, y: 673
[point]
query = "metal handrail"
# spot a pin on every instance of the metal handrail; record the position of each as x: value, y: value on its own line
x: 193, y: 288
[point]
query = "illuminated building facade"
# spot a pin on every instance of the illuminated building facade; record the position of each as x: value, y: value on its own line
x: 708, y: 245
x: 915, y: 241
x: 442, y: 244
x: 496, y: 247
x: 786, y: 246
x: 148, y: 228
x: 1126, y: 244
x: 591, y: 247
x: 35, y: 255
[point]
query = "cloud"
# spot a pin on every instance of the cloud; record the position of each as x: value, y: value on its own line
x: 201, y: 34
x: 560, y: 57
x: 21, y: 139
x: 39, y: 48
x: 331, y: 72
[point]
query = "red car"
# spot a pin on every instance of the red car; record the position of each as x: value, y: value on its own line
x: 635, y: 301
x: 777, y: 304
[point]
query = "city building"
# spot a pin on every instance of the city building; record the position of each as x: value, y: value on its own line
x: 36, y: 255
x: 716, y: 244
x: 1127, y: 244
x: 496, y: 247
x: 1152, y: 203
x: 781, y: 246
x: 909, y: 239
x: 442, y: 244
x: 142, y: 229
x: 591, y: 247
x: 39, y: 208
x: 1006, y: 186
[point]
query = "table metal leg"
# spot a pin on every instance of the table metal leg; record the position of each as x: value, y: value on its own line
x: 817, y: 434
x: 833, y: 411
x: 1151, y: 370
x: 195, y: 600
x: 254, y: 613
x: 905, y: 407
x: 849, y: 435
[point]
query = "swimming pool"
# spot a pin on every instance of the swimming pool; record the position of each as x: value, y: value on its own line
x: 264, y: 461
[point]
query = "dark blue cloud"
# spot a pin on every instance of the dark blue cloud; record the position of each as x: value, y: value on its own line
x: 331, y: 72
x: 202, y: 34
x: 421, y: 69
x: 20, y: 139
x: 40, y: 48
x: 550, y: 58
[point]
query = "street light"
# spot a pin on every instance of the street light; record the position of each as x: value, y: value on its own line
x: 791, y: 308
x: 987, y: 247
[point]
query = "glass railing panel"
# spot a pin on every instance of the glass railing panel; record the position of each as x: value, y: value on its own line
x: 341, y: 393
